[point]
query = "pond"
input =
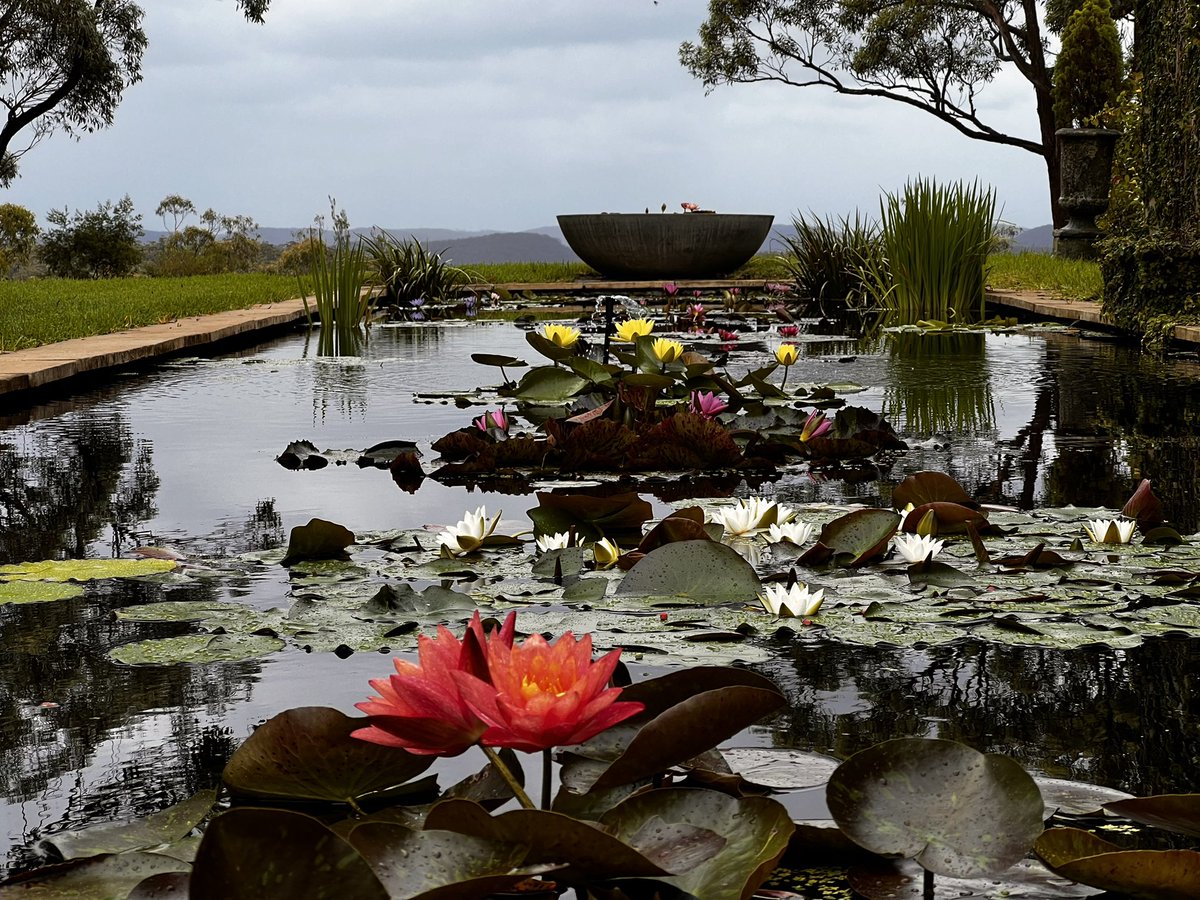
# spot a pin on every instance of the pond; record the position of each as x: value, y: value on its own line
x: 183, y: 455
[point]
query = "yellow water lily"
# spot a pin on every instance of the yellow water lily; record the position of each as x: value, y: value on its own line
x: 470, y: 533
x: 631, y: 329
x: 606, y: 553
x: 1110, y: 531
x: 795, y: 601
x: 561, y: 335
x: 667, y: 350
x: 787, y: 354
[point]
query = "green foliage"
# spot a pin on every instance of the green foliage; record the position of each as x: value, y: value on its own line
x: 824, y: 258
x: 18, y: 236
x: 1088, y: 71
x: 198, y: 251
x: 337, y: 280
x: 99, y: 244
x: 935, y: 251
x: 297, y: 256
x: 530, y: 272
x: 409, y: 272
x: 42, y: 311
x: 177, y: 207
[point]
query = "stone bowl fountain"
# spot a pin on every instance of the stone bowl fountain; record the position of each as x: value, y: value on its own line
x: 665, y: 245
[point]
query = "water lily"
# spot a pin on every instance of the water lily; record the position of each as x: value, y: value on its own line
x: 690, y: 207
x: 605, y: 553
x: 696, y: 311
x: 776, y: 288
x: 1110, y: 531
x: 707, y: 404
x: 670, y: 289
x: 489, y: 420
x: 631, y: 329
x: 470, y: 533
x: 796, y: 533
x: 728, y: 335
x: 545, y: 695
x: 915, y: 548
x: 667, y: 350
x: 548, y: 542
x: 751, y: 514
x: 793, y: 600
x: 816, y: 425
x: 421, y: 708
x: 561, y: 335
x: 789, y: 330
x: 787, y: 354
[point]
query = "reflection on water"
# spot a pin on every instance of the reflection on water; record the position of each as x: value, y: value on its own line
x: 184, y: 453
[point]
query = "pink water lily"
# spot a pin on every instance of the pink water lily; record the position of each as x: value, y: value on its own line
x: 690, y: 207
x: 670, y: 289
x: 816, y: 425
x: 707, y: 404
x: 492, y: 419
x: 789, y: 330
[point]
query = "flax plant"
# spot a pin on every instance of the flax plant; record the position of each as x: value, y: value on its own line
x: 337, y: 281
x: 823, y: 259
x: 939, y: 383
x: 934, y: 254
x: 410, y: 273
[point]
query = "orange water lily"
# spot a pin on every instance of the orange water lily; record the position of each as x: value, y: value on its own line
x: 421, y: 708
x: 545, y: 695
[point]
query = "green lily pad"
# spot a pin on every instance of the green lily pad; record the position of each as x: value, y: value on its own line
x: 1146, y: 874
x: 904, y: 880
x: 853, y: 539
x: 84, y: 569
x: 702, y: 571
x: 111, y: 875
x: 1174, y: 812
x: 196, y: 649
x: 249, y: 854
x: 921, y: 798
x: 307, y: 753
x: 441, y: 864
x: 755, y: 833
x: 163, y: 827
x: 37, y: 591
x: 318, y: 540
x: 549, y: 384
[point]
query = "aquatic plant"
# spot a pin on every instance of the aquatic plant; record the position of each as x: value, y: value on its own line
x: 337, y: 280
x: 409, y: 272
x: 794, y: 600
x: 935, y: 243
x: 825, y: 256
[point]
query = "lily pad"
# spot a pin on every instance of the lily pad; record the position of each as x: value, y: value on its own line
x: 250, y: 853
x: 307, y: 753
x: 318, y: 540
x: 160, y: 828
x: 1174, y: 812
x: 904, y: 880
x: 546, y: 384
x: 37, y: 591
x: 84, y: 569
x: 754, y: 833
x: 921, y: 798
x: 111, y: 875
x: 1147, y: 874
x: 196, y: 649
x: 702, y: 571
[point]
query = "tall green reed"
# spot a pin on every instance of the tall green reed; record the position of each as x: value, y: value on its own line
x: 338, y: 282
x: 934, y: 252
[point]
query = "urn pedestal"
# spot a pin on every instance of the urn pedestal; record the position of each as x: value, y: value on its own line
x: 1085, y: 177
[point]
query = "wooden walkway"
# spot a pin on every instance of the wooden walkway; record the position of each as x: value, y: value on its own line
x: 39, y: 367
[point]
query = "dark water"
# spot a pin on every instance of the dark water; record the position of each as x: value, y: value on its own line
x: 184, y: 453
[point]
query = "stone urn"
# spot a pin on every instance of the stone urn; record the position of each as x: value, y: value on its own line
x: 1085, y: 177
x: 665, y: 245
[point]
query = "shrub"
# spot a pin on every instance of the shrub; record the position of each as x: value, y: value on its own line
x: 1088, y: 71
x: 409, y: 272
x: 99, y: 244
x: 824, y: 258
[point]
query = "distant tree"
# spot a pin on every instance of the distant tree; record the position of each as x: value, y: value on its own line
x: 18, y: 236
x: 64, y: 65
x: 99, y: 244
x: 931, y: 55
x: 177, y: 207
x: 221, y: 244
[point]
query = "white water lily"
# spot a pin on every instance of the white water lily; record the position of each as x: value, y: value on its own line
x: 796, y: 601
x: 752, y: 514
x: 470, y: 533
x: 796, y: 533
x: 548, y: 542
x: 917, y: 548
x: 1110, y: 531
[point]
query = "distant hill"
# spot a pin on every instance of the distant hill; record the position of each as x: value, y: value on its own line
x: 1037, y: 240
x: 523, y: 246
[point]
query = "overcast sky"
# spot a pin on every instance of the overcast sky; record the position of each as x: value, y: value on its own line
x: 494, y: 115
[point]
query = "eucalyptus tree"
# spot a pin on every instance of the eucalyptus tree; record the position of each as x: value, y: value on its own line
x: 932, y: 55
x: 64, y: 66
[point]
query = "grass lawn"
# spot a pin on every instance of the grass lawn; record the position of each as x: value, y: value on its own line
x: 42, y: 311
